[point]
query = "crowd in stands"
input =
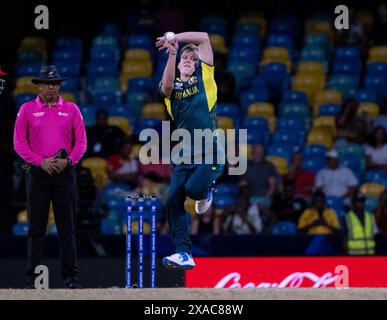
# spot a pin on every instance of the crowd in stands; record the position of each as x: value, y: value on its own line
x: 313, y: 99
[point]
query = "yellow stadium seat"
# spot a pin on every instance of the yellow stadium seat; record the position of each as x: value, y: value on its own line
x: 372, y: 189
x: 217, y: 42
x: 260, y: 109
x: 377, y: 54
x: 319, y: 27
x: 277, y: 54
x: 135, y: 151
x: 328, y: 122
x: 366, y: 18
x: 311, y: 68
x: 97, y: 167
x: 33, y: 42
x: 254, y: 18
x: 24, y: 85
x: 22, y: 216
x: 121, y: 122
x: 322, y: 136
x: 137, y: 66
x: 369, y: 108
x: 272, y: 121
x: 225, y: 123
x: 326, y: 96
x: 137, y: 54
x: 153, y: 110
x: 308, y: 84
x: 280, y: 163
x: 68, y: 96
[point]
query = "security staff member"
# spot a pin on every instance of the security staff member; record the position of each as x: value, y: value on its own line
x: 43, y: 127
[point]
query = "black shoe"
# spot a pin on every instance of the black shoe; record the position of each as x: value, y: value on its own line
x: 72, y: 283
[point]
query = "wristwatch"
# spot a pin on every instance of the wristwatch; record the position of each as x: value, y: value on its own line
x: 69, y: 162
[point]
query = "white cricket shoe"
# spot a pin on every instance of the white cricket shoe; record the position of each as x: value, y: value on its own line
x: 202, y: 206
x: 179, y: 261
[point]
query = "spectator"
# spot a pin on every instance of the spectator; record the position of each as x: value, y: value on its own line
x: 303, y: 179
x: 376, y: 151
x: 354, y: 35
x: 381, y: 213
x: 285, y: 205
x: 335, y: 180
x: 261, y: 175
x: 319, y: 219
x: 351, y: 127
x: 361, y: 228
x: 242, y: 219
x: 381, y: 120
x: 206, y: 223
x: 103, y: 139
x: 121, y: 168
x: 379, y: 30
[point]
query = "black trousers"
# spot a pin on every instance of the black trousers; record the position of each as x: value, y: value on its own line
x: 61, y: 189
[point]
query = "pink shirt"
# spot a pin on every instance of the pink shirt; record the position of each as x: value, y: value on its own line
x: 41, y: 131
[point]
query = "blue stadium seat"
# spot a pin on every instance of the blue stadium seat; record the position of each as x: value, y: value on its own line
x: 294, y: 96
x: 229, y: 110
x: 20, y: 229
x: 141, y: 84
x: 319, y: 40
x: 274, y: 75
x: 284, y: 228
x: 71, y: 85
x: 71, y: 70
x: 290, y: 138
x: 30, y: 57
x: 223, y: 201
x: 110, y: 228
x: 258, y: 83
x: 110, y: 29
x: 377, y: 83
x: 366, y: 95
x: 356, y: 165
x: 251, y: 96
x: 103, y: 55
x: 255, y: 123
x: 88, y: 112
x: 279, y: 40
x: 294, y: 109
x: 343, y: 83
x: 69, y: 55
x: 248, y: 28
x: 377, y: 69
x: 227, y: 189
x: 140, y: 42
x: 246, y: 41
x: 28, y: 70
x: 347, y: 67
x: 147, y: 123
x: 313, y: 163
x: 119, y: 110
x: 281, y: 150
x: 352, y: 151
x: 23, y: 98
x: 315, y: 150
x: 258, y: 136
x: 376, y: 176
x: 292, y: 124
x: 105, y: 99
x: 68, y: 42
x: 348, y: 53
x: 337, y: 204
x: 105, y: 42
x: 371, y: 204
x: 244, y: 54
x: 330, y: 109
x: 104, y: 84
x: 214, y: 24
x: 103, y: 70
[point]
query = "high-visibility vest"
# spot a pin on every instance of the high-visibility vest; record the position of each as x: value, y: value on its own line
x: 360, y: 238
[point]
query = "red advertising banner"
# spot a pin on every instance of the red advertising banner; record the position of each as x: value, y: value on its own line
x: 294, y: 272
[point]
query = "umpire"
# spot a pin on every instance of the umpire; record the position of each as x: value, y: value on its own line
x: 50, y: 137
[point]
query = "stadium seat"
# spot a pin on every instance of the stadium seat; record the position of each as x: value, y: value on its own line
x: 252, y: 96
x: 68, y: 55
x: 371, y: 204
x: 140, y: 42
x: 105, y: 42
x: 153, y: 110
x: 20, y: 229
x: 294, y: 96
x: 369, y: 108
x: 147, y: 123
x: 104, y: 55
x: 122, y: 110
x: 255, y: 123
x: 248, y: 28
x: 31, y: 57
x: 328, y: 122
x: 315, y: 150
x: 337, y: 204
x: 376, y: 176
x: 88, y: 113
x: 342, y: 83
x: 281, y: 150
x: 141, y: 84
x: 311, y: 68
x: 121, y: 122
x: 137, y: 54
x: 227, y: 189
x: 223, y: 201
x: 284, y: 228
x: 366, y: 95
x: 294, y: 109
x: 67, y: 42
x: 319, y: 26
x: 320, y: 136
x: 347, y: 67
x: 97, y: 167
x: 104, y: 99
x: 291, y: 138
x: 308, y: 84
x: 348, y: 53
x: 214, y: 24
x: 225, y: 123
x: 372, y: 189
x: 24, y: 85
x: 28, y: 70
x: 69, y: 96
x: 292, y: 124
x: 377, y: 69
x: 313, y: 163
x: 260, y: 109
x: 280, y: 163
x: 352, y: 150
x: 329, y: 109
x: 228, y: 110
x: 328, y: 96
x: 244, y: 54
x: 218, y: 43
x: 377, y: 54
x: 257, y: 136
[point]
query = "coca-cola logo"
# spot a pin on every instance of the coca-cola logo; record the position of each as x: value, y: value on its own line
x: 294, y: 280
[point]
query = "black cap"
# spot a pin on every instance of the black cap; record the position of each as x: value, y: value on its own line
x: 48, y: 74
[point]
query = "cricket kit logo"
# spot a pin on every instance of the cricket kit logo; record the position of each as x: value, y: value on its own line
x: 38, y: 114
